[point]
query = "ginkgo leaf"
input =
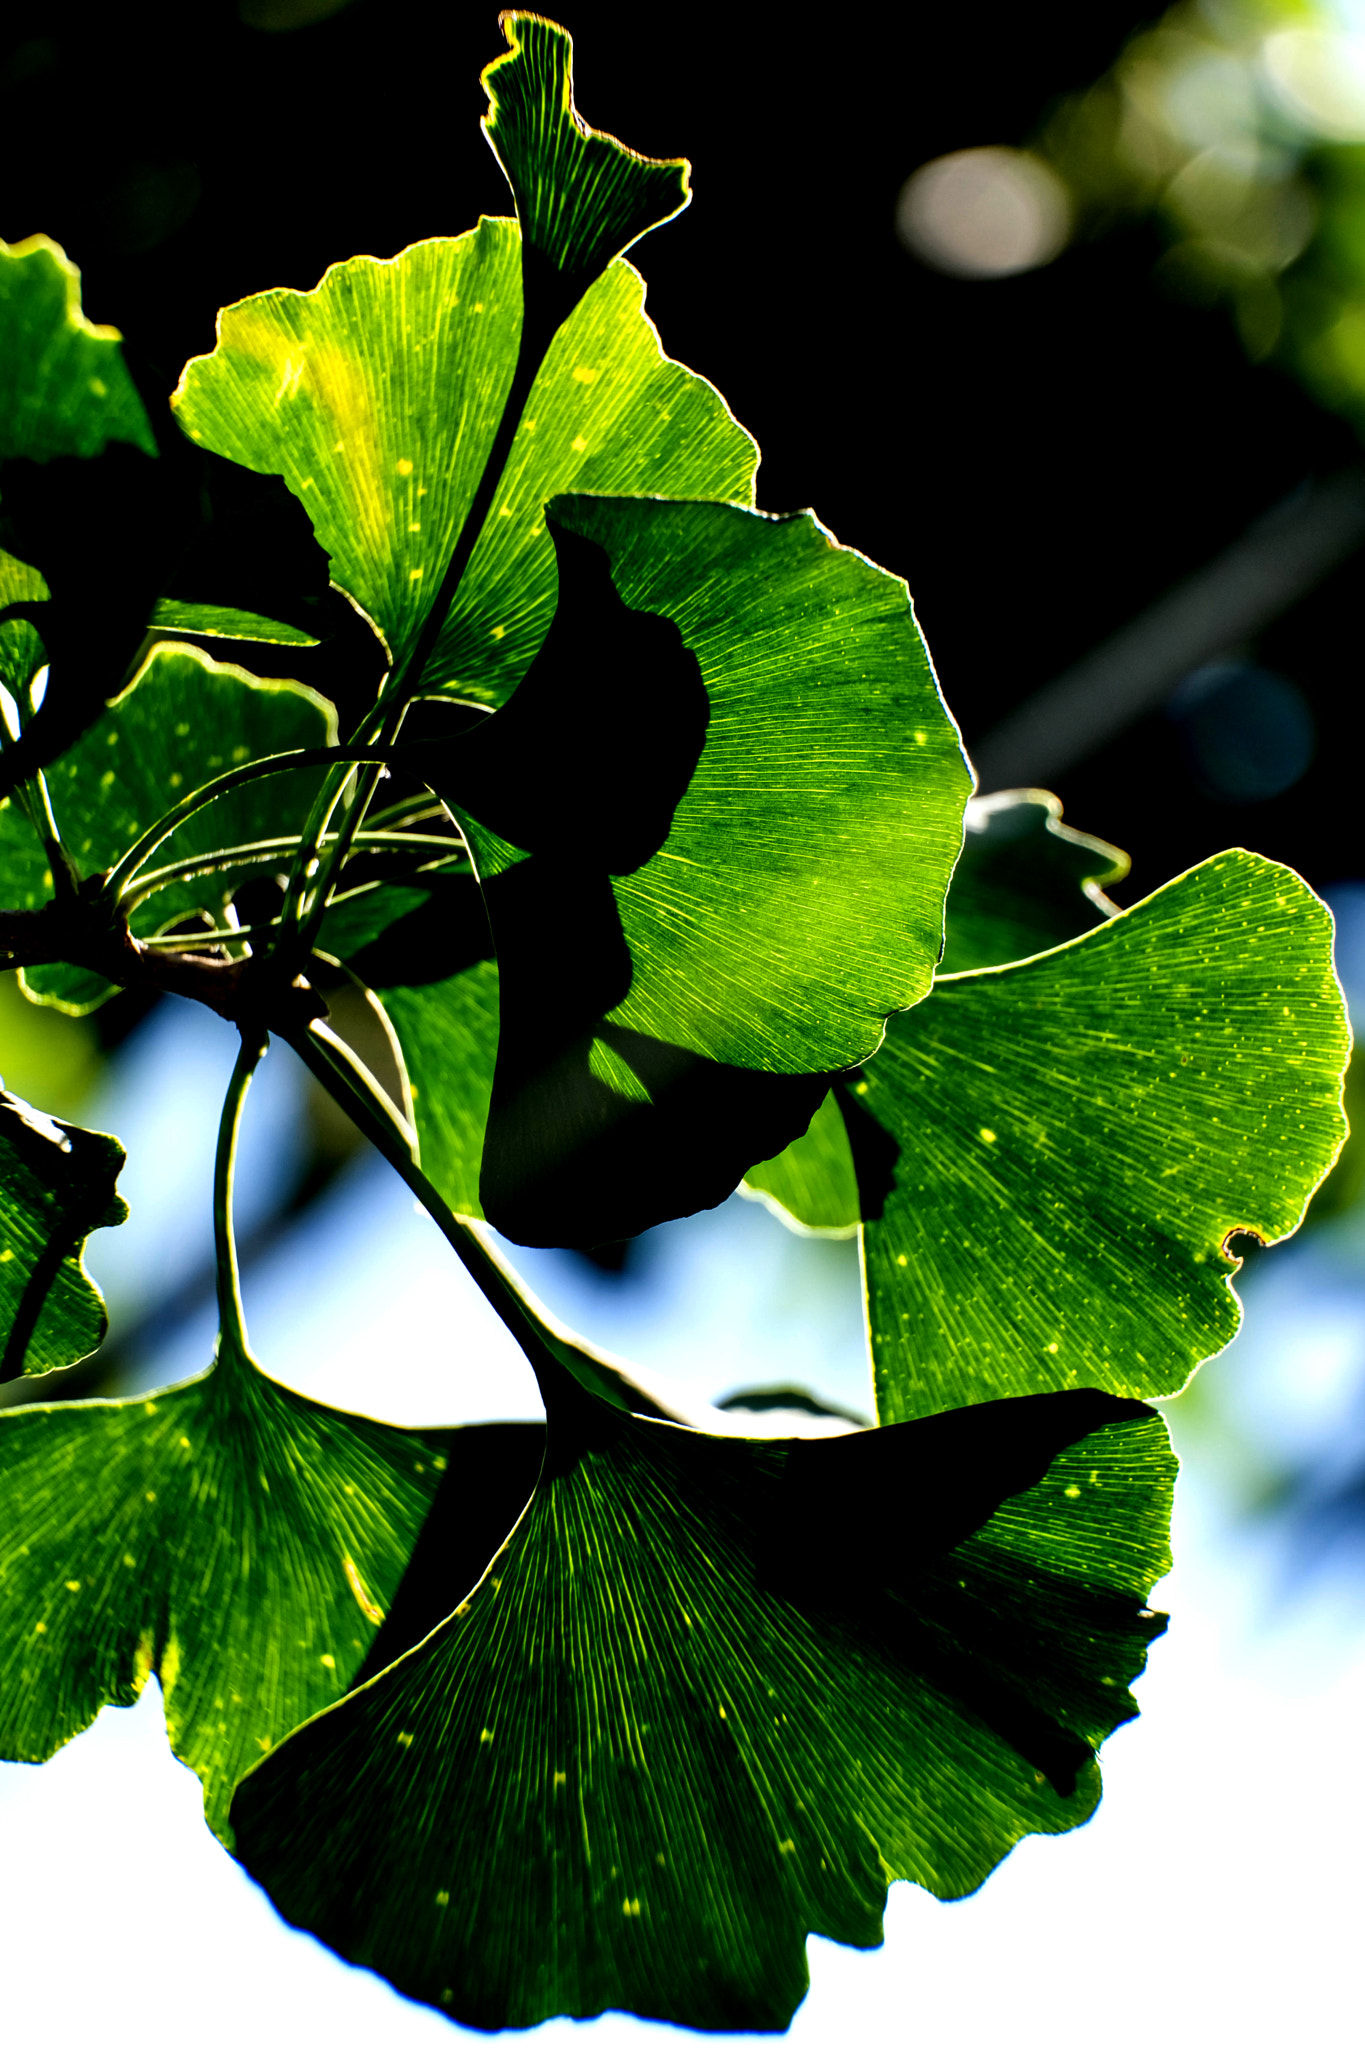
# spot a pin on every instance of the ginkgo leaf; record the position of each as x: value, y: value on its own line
x: 1025, y: 881
x: 712, y: 1695
x: 582, y: 196
x: 769, y: 905
x: 379, y: 394
x: 57, y: 1184
x: 1071, y: 1142
x: 240, y: 1541
x: 67, y: 387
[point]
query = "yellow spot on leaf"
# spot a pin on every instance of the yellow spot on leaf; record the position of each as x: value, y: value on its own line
x: 370, y: 1610
x: 631, y: 1908
x: 987, y: 1137
x: 584, y: 375
x: 580, y: 446
x: 1073, y: 1493
x: 443, y: 1898
x: 404, y: 466
x: 329, y: 1663
x: 404, y: 1739
x: 73, y: 1585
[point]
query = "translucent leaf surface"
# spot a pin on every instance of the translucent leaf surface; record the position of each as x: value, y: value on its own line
x: 237, y: 1539
x: 795, y: 896
x: 1025, y: 881
x: 67, y: 388
x: 380, y: 393
x: 711, y: 1695
x: 1069, y: 1142
x: 56, y: 1186
x: 582, y: 197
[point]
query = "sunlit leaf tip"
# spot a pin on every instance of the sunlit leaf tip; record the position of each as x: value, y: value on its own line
x: 711, y: 1695
x: 68, y: 391
x: 582, y: 197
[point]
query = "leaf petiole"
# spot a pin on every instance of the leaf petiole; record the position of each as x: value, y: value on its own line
x: 231, y: 1320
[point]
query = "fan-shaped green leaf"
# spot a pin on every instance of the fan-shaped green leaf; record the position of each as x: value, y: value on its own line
x: 56, y: 1186
x: 1072, y: 1140
x: 797, y: 895
x: 220, y: 622
x: 67, y: 388
x: 380, y: 394
x: 712, y: 1695
x: 22, y: 653
x: 813, y: 1183
x: 582, y: 197
x: 235, y: 1538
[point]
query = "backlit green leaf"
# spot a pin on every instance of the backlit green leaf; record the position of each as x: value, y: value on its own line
x: 582, y: 197
x: 712, y: 1695
x: 1070, y: 1142
x: 67, y: 388
x: 237, y: 1539
x: 379, y: 394
x: 796, y: 896
x: 56, y: 1186
x: 22, y: 653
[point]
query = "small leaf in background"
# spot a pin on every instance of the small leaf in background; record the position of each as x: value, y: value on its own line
x: 380, y: 393
x: 582, y: 196
x: 1073, y: 1140
x: 22, y: 653
x: 67, y: 387
x: 1025, y: 881
x: 240, y: 1541
x: 185, y: 719
x: 57, y: 1184
x: 712, y: 1695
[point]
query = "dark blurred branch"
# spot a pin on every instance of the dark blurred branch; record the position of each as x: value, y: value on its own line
x: 1235, y: 597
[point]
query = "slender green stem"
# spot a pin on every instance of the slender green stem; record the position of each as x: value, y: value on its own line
x: 259, y: 850
x: 142, y: 849
x: 231, y: 1321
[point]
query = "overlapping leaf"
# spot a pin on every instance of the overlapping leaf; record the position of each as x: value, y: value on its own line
x: 1024, y: 882
x: 712, y: 1695
x: 1069, y: 1143
x: 57, y: 1184
x: 239, y: 1540
x: 772, y: 914
x: 380, y: 394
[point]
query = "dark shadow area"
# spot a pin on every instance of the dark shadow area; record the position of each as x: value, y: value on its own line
x: 875, y: 1151
x: 490, y: 1476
